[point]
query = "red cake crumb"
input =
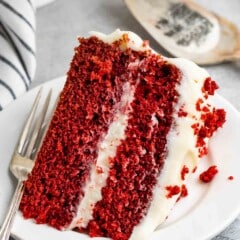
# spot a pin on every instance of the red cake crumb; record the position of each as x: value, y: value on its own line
x: 184, y: 191
x: 212, y: 120
x: 230, y: 178
x: 182, y: 113
x: 172, y: 191
x: 198, y: 104
x: 194, y: 169
x: 208, y: 175
x: 99, y: 170
x: 185, y: 170
x: 145, y: 43
x: 209, y: 87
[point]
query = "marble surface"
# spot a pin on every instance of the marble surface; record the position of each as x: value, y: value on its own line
x: 59, y: 24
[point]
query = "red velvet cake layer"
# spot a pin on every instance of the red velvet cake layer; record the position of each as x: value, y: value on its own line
x: 84, y: 112
x: 141, y: 155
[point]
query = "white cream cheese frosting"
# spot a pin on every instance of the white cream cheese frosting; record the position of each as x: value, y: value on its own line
x: 106, y: 151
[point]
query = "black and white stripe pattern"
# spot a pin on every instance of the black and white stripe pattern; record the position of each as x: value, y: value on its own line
x: 17, y: 48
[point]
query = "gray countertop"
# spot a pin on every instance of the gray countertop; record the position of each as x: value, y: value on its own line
x: 59, y: 24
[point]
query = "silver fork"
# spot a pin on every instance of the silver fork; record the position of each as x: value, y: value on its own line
x: 23, y: 157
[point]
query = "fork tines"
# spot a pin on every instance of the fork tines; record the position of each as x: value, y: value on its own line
x: 33, y: 129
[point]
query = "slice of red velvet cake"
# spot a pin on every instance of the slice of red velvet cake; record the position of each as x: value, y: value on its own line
x: 129, y: 127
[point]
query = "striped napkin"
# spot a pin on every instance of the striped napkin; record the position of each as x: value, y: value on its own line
x: 17, y: 48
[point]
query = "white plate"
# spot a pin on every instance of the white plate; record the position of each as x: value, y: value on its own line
x: 207, y: 210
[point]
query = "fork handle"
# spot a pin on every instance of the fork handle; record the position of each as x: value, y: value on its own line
x: 7, y: 224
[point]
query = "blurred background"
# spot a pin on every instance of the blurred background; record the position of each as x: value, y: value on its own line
x: 61, y: 22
